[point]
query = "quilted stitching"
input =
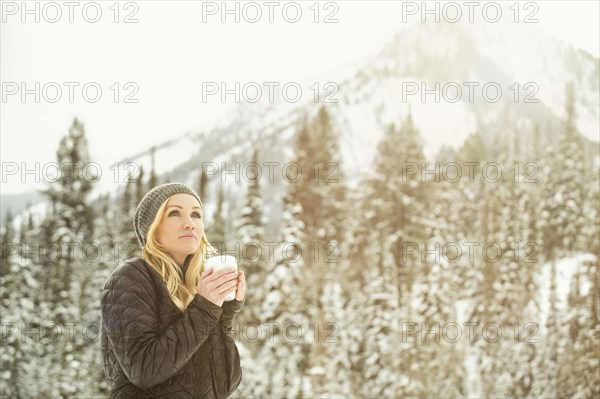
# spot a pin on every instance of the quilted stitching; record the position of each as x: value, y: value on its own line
x: 151, y: 349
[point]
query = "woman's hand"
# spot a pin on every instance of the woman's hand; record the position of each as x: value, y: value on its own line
x: 215, y: 286
x: 241, y: 286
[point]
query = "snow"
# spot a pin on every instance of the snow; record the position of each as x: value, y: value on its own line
x: 565, y: 269
x: 473, y: 384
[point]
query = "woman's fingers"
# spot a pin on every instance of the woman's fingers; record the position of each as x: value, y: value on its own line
x: 222, y: 280
x: 224, y: 271
x: 226, y: 287
x: 218, y: 275
x: 207, y: 272
x: 241, y: 286
x: 225, y: 278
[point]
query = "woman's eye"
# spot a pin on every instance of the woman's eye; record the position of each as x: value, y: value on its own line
x: 174, y: 213
x: 197, y: 215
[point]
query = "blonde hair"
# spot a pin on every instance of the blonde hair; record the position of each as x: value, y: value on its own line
x: 158, y: 258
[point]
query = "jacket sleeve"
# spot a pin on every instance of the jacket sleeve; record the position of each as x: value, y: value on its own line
x: 146, y: 355
x: 229, y: 357
x: 230, y: 310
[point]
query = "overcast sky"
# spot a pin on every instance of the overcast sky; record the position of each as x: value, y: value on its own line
x: 176, y: 45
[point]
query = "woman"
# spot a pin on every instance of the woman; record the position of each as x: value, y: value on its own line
x: 166, y: 330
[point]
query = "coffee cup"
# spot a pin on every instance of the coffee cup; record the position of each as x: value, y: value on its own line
x: 220, y: 262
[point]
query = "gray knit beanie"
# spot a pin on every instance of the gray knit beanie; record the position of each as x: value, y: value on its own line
x: 148, y: 206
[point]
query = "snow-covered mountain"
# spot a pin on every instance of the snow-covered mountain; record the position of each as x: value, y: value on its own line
x: 378, y: 93
x: 459, y: 59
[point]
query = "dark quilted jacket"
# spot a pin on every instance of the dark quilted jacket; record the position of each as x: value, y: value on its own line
x: 152, y: 350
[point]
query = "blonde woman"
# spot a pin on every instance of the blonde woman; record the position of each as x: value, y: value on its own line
x: 166, y: 329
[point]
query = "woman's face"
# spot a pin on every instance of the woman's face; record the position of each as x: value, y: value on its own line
x: 181, y: 228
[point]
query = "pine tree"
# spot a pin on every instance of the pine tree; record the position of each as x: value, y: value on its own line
x: 506, y: 284
x: 333, y: 378
x: 23, y: 227
x: 399, y: 203
x: 580, y: 370
x: 351, y: 272
x: 139, y: 186
x: 330, y: 372
x: 153, y: 180
x: 202, y: 185
x: 547, y: 362
x: 381, y: 357
x: 215, y: 231
x: 72, y: 217
x: 437, y: 289
x: 126, y: 212
x: 330, y: 178
x: 22, y: 329
x: 534, y: 183
x: 464, y: 212
x: 24, y: 339
x: 319, y: 188
x: 8, y: 243
x: 299, y: 189
x: 50, y: 280
x: 72, y: 227
x: 110, y: 255
x: 11, y: 353
x: 391, y: 212
x: 286, y: 348
x: 319, y: 183
x: 126, y: 209
x: 565, y: 188
x: 591, y: 209
x: 251, y: 236
x: 469, y: 188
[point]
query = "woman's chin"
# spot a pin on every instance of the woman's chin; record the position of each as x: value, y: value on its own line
x: 189, y: 249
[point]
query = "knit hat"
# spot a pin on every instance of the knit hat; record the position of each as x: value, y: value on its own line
x: 148, y: 206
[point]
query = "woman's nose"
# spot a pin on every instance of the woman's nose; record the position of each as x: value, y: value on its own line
x: 188, y: 223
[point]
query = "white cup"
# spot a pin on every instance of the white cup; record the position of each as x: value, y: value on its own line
x: 219, y: 262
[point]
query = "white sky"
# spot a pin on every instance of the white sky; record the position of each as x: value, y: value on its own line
x: 170, y: 51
